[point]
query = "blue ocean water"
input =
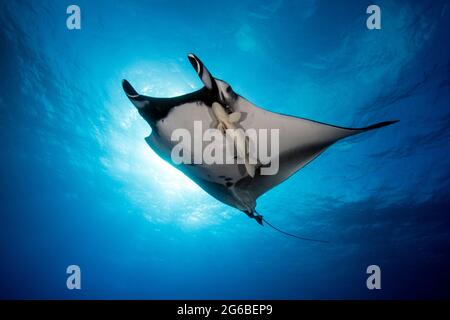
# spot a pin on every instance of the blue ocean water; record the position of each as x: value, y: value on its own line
x: 79, y: 185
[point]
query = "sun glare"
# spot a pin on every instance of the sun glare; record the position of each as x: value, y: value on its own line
x: 151, y: 183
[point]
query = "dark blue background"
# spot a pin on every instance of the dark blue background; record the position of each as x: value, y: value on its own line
x: 80, y: 186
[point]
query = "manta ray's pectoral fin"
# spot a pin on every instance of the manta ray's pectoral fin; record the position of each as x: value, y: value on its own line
x: 301, y: 141
x: 153, y: 109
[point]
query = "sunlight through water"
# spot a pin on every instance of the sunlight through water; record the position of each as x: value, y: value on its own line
x: 140, y: 169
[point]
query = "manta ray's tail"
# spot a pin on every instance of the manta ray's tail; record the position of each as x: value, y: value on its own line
x: 259, y: 218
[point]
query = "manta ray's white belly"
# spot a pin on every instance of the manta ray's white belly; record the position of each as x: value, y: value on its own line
x: 184, y: 117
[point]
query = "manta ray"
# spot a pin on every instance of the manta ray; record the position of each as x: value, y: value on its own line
x: 217, y: 105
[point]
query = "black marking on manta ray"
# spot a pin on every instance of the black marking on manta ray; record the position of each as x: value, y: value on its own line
x: 194, y: 64
x: 200, y: 70
x: 229, y: 184
x: 158, y: 108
